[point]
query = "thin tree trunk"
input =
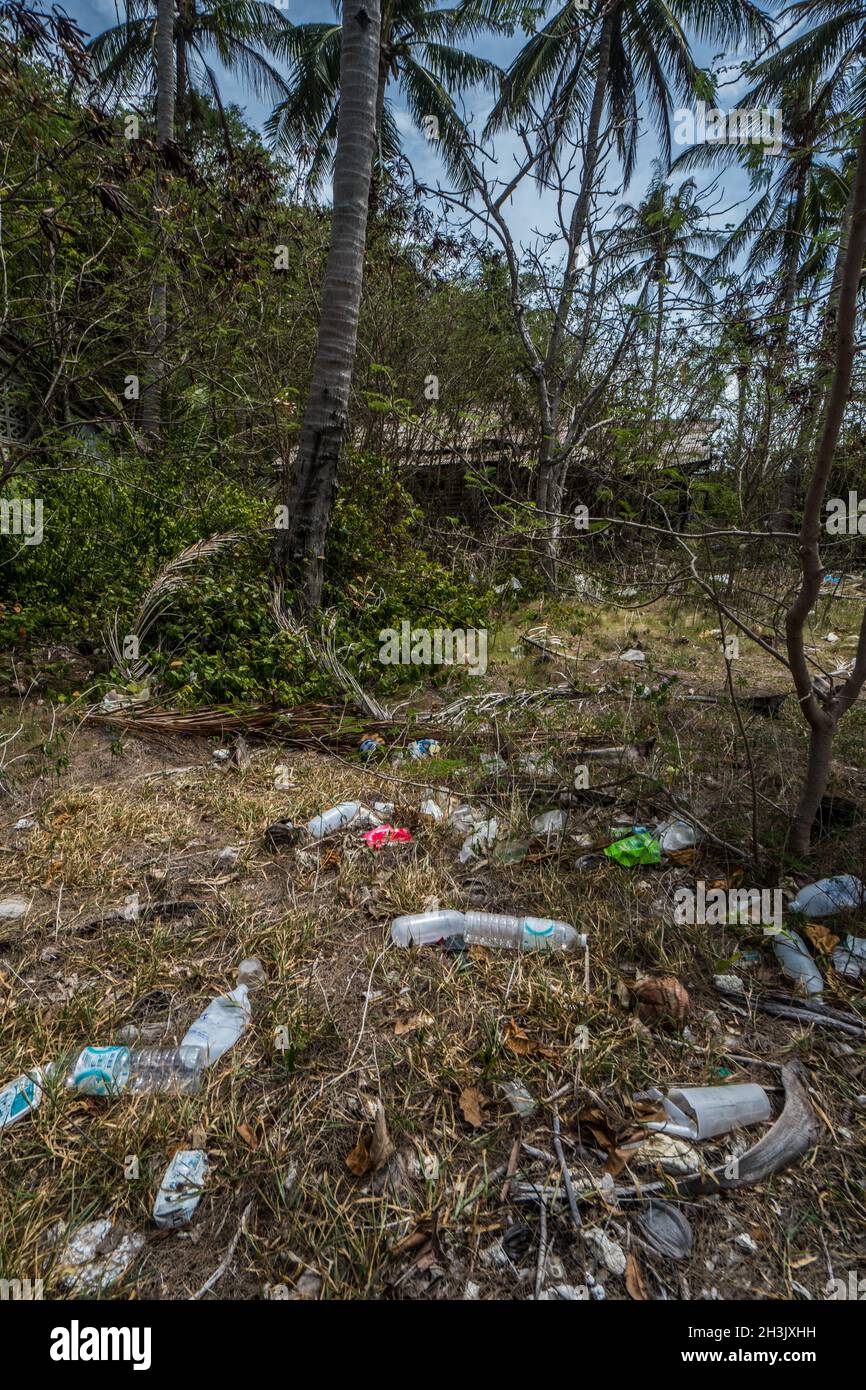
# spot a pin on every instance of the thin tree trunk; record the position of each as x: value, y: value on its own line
x: 158, y: 315
x: 657, y: 345
x: 793, y: 474
x: 300, y: 547
x: 822, y: 722
x: 549, y: 483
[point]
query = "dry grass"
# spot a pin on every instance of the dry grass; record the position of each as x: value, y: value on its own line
x: 348, y: 1021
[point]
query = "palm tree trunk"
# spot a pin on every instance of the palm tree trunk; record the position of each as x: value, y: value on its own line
x: 657, y: 345
x: 158, y: 317
x: 791, y: 480
x: 300, y: 547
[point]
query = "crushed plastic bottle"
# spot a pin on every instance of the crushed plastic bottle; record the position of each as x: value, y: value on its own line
x: 485, y: 929
x: 849, y: 957
x: 112, y: 1071
x: 844, y: 893
x: 227, y: 1017
x: 480, y: 841
x: 347, y: 813
x: 796, y: 962
x: 181, y: 1188
x: 550, y: 823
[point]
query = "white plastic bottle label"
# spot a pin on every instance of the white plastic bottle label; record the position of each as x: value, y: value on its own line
x: 535, y: 929
x: 101, y: 1071
x: 20, y: 1096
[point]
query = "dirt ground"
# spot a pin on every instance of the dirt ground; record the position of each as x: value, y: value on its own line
x: 360, y: 1136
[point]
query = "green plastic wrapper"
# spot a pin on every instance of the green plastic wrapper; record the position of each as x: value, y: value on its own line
x: 635, y: 849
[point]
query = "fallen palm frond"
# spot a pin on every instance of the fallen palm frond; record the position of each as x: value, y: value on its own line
x: 172, y: 577
x: 322, y: 651
x: 316, y: 724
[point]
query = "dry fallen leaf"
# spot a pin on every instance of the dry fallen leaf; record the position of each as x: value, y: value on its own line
x: 634, y: 1280
x: 521, y: 1044
x: 373, y: 1149
x: 246, y: 1133
x: 472, y: 1103
x: 411, y: 1024
x: 358, y: 1161
x: 821, y: 937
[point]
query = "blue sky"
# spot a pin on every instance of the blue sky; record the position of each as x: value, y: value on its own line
x: 529, y: 210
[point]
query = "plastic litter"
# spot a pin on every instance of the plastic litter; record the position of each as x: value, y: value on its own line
x: 550, y: 823
x: 23, y: 1095
x: 181, y: 1188
x: 633, y: 654
x: 480, y: 840
x: 848, y: 958
x: 666, y: 1229
x: 227, y: 1017
x: 519, y: 1098
x: 485, y: 929
x: 370, y: 745
x: 13, y: 908
x: 110, y: 1071
x: 702, y: 1112
x: 844, y: 893
x: 347, y: 813
x: 639, y: 848
x: 796, y: 962
x: 382, y: 835
x: 676, y: 835
x: 423, y: 748
x: 97, y: 1255
x: 431, y: 809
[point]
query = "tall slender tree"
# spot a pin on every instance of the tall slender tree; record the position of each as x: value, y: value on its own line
x: 163, y: 57
x: 301, y: 544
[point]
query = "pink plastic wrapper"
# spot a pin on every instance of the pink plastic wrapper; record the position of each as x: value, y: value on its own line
x: 386, y: 835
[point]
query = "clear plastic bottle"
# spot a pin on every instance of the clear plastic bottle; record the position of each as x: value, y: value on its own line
x: 520, y: 933
x: 796, y: 962
x: 226, y: 1018
x: 426, y: 928
x: 112, y: 1071
x: 485, y: 929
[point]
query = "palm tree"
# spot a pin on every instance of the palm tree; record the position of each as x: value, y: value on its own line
x: 242, y: 35
x: 420, y: 51
x: 664, y: 238
x: 581, y: 64
x: 301, y: 545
